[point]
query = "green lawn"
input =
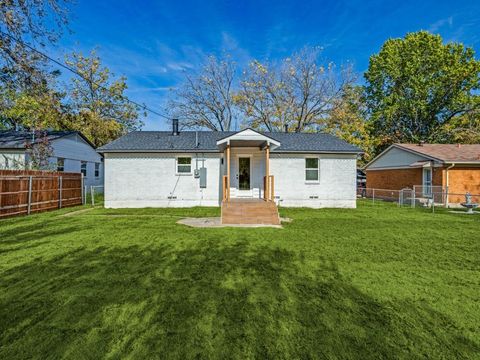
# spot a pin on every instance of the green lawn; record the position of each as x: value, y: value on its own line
x: 375, y: 282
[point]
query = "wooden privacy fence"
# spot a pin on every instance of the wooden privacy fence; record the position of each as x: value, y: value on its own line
x: 26, y: 191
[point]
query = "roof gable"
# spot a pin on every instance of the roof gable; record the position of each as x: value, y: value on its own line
x: 394, y: 157
x: 440, y: 153
x: 248, y: 135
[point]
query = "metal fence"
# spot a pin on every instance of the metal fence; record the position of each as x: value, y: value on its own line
x: 419, y: 196
x: 379, y: 194
x: 25, y: 192
x: 95, y: 193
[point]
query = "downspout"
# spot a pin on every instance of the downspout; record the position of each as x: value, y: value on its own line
x: 447, y: 184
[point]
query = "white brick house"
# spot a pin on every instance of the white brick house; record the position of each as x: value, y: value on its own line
x: 204, y: 168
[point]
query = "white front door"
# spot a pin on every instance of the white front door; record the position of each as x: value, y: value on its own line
x: 244, y: 177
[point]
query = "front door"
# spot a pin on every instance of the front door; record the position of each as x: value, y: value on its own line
x: 244, y: 173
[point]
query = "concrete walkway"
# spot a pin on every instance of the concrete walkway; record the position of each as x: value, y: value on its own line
x: 76, y: 212
x: 216, y: 222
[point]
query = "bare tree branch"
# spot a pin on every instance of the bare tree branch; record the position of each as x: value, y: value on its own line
x: 298, y: 92
x: 205, y: 100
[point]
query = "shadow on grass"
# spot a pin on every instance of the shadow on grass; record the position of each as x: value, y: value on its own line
x: 209, y: 301
x: 34, y: 232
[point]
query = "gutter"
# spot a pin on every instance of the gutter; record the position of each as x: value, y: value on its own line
x: 447, y: 184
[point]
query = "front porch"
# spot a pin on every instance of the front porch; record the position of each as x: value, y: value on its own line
x: 248, y: 188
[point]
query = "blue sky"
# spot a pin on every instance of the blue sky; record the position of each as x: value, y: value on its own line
x: 154, y: 42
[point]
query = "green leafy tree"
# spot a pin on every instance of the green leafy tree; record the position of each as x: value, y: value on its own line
x: 348, y: 121
x: 417, y: 85
x: 37, y: 108
x: 98, y: 105
x: 463, y: 129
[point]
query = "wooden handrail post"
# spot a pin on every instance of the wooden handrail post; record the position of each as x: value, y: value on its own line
x: 272, y: 190
x: 264, y: 187
x: 224, y: 187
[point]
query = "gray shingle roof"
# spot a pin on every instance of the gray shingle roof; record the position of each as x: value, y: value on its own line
x: 10, y: 139
x: 164, y: 141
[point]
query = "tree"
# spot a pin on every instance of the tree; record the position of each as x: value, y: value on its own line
x: 39, y: 151
x: 39, y: 107
x: 205, y: 100
x: 263, y: 97
x: 347, y: 120
x: 299, y: 91
x: 98, y: 106
x: 417, y: 85
x: 39, y: 21
x: 27, y: 95
x: 463, y: 129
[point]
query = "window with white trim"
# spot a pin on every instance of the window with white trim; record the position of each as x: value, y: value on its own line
x: 97, y: 170
x: 60, y: 164
x: 184, y: 165
x: 312, y: 169
x: 83, y: 168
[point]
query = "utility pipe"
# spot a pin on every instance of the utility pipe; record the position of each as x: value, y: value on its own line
x: 447, y: 183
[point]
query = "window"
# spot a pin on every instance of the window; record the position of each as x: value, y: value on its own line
x: 60, y: 164
x: 97, y: 169
x: 83, y: 168
x: 311, y: 169
x: 184, y: 165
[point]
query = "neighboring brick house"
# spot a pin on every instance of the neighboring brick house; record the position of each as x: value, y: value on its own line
x: 454, y: 167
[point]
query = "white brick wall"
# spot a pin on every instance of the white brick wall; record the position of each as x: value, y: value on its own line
x: 150, y: 180
x: 336, y: 186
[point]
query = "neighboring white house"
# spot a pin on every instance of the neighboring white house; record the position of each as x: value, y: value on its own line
x: 72, y: 152
x: 182, y: 169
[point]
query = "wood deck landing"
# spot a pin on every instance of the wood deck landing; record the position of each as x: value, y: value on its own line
x: 250, y: 211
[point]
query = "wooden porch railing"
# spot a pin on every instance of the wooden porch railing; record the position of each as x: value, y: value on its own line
x: 269, y: 191
x: 225, y: 188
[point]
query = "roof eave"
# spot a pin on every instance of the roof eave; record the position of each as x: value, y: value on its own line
x: 12, y: 148
x: 104, y: 151
x: 218, y: 151
x: 462, y: 162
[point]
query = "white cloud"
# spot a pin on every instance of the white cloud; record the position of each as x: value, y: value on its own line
x: 437, y: 25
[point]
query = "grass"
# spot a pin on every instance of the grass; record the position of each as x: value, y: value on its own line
x: 375, y: 282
